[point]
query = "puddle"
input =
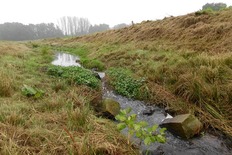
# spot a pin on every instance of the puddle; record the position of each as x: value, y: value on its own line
x: 64, y: 59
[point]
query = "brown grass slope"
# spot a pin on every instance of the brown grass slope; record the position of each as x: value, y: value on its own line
x: 210, y: 32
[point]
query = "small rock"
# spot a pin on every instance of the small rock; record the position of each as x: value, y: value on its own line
x: 167, y: 116
x: 94, y: 69
x: 96, y: 75
x: 110, y: 108
x: 101, y: 74
x: 185, y: 126
x: 149, y: 110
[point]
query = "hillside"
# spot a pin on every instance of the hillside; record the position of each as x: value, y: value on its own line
x: 185, y: 60
x: 206, y: 32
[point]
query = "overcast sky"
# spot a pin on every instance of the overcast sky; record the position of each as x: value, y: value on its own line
x: 111, y: 12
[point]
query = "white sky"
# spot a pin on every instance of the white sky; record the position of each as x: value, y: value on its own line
x: 111, y: 12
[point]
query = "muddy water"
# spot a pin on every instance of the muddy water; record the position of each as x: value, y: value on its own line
x: 204, y: 145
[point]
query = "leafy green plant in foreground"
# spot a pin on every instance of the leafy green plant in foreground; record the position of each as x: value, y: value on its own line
x: 32, y: 92
x: 139, y: 128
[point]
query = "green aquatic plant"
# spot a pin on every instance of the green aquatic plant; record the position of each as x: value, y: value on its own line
x: 140, y: 129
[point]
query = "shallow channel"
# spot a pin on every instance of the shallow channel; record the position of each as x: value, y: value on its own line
x: 206, y: 144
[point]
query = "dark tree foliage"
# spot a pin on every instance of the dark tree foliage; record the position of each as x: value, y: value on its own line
x: 98, y: 28
x: 214, y: 6
x: 18, y: 31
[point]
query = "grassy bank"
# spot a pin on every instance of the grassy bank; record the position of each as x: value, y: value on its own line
x: 184, y: 79
x: 58, y: 121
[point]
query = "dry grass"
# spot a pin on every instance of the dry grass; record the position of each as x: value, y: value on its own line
x: 208, y: 32
x: 6, y: 84
x: 12, y: 48
x: 101, y: 140
x: 61, y: 122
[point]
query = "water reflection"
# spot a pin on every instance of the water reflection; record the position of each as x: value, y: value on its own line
x: 64, y: 59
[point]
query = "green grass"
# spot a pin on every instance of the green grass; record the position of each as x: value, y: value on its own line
x: 92, y: 64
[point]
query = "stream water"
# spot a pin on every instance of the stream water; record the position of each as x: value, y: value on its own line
x: 206, y: 144
x: 64, y: 59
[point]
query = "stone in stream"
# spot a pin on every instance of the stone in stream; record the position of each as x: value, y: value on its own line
x: 185, y: 126
x: 109, y: 108
x: 96, y: 75
x: 149, y: 110
x: 77, y: 61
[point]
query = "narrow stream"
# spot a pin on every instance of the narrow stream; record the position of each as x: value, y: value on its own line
x: 203, y: 145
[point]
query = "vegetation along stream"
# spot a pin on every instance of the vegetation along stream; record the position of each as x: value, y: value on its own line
x: 201, y: 145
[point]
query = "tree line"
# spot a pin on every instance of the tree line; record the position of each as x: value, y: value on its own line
x: 74, y: 26
x: 214, y: 6
x: 19, y: 31
x: 67, y: 26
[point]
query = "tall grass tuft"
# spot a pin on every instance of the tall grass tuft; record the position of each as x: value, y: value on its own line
x: 79, y: 118
x: 190, y: 87
x: 6, y: 84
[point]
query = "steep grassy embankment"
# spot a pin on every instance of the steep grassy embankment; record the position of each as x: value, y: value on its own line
x: 186, y: 61
x: 58, y: 122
